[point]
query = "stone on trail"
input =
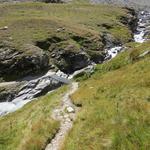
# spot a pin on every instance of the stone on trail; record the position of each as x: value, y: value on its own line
x: 4, y: 28
x: 70, y: 109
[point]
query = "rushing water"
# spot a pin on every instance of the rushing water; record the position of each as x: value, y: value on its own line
x: 52, y: 80
x: 35, y: 87
x: 112, y: 52
x: 143, y: 28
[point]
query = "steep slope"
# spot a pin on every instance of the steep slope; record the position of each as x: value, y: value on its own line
x: 32, y: 127
x: 114, y: 105
x: 113, y: 101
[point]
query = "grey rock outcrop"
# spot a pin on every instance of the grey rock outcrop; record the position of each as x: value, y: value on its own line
x: 71, y: 61
x: 15, y: 64
x: 9, y: 91
x: 69, y: 57
x: 109, y: 40
x: 40, y: 86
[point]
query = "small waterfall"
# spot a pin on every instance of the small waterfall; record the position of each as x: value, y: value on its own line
x: 141, y: 34
x: 112, y: 52
x: 143, y: 28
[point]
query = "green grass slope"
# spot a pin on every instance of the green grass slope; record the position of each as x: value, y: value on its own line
x: 115, y: 105
x: 30, y: 22
x: 31, y: 127
x: 114, y: 112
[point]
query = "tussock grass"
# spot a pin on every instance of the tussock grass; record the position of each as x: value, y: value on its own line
x: 31, y: 127
x: 115, y: 105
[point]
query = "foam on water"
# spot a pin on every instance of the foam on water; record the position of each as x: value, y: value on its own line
x: 112, y: 52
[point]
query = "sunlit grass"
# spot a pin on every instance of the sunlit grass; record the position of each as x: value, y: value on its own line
x: 115, y: 105
x: 31, y: 127
x: 29, y: 22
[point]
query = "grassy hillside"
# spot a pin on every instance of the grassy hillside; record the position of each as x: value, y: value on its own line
x: 31, y: 127
x: 114, y: 110
x: 30, y: 22
x: 114, y: 102
x: 53, y: 31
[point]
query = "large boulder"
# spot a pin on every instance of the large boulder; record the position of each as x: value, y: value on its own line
x: 9, y: 90
x: 69, y: 61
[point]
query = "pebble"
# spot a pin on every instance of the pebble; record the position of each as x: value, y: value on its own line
x: 70, y: 109
x: 4, y: 28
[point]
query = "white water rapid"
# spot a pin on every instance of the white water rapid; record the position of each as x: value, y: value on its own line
x: 143, y: 27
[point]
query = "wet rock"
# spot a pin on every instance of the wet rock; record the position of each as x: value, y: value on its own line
x: 19, y: 96
x: 8, y: 92
x: 38, y: 87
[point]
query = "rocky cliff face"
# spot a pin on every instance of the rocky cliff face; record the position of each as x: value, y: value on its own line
x: 71, y: 56
x: 14, y: 63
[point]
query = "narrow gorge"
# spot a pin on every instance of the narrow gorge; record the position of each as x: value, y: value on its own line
x: 51, y: 80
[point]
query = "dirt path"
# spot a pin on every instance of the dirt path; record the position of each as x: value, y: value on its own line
x: 66, y: 115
